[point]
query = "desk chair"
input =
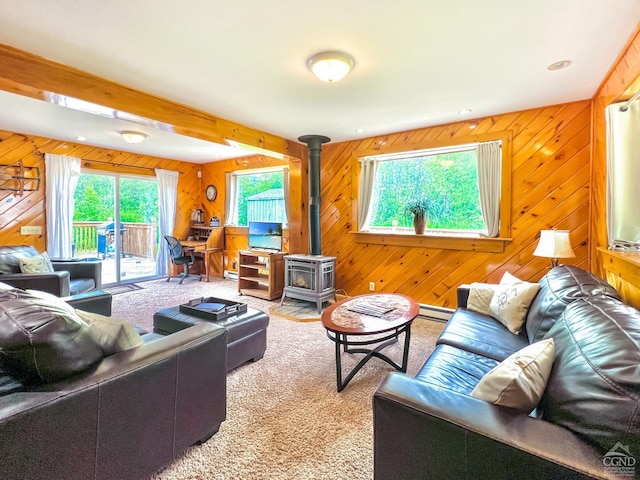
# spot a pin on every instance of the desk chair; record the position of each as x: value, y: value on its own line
x: 178, y: 257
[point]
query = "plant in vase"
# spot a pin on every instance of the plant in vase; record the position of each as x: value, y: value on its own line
x: 420, y: 211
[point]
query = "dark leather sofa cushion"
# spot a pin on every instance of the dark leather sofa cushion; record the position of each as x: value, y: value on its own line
x: 558, y: 288
x: 41, y: 342
x: 81, y: 285
x: 594, y: 387
x: 481, y: 334
x: 455, y: 369
x: 8, y: 383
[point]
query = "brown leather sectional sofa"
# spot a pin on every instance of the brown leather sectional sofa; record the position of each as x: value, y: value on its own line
x: 586, y: 425
x: 123, y: 417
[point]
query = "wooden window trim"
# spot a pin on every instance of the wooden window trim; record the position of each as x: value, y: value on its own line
x: 443, y: 242
x: 447, y: 242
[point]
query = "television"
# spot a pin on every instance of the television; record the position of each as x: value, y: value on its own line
x: 265, y: 235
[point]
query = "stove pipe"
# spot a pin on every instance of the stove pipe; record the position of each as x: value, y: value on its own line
x: 314, y: 145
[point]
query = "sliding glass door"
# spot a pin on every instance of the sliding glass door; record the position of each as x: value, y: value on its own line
x: 115, y: 220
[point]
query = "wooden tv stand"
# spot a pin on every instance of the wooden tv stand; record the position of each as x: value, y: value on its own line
x: 261, y: 274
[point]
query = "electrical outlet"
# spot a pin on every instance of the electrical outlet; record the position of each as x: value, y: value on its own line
x: 372, y: 286
x: 30, y: 230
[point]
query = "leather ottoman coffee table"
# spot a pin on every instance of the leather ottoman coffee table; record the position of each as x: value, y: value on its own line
x: 246, y: 332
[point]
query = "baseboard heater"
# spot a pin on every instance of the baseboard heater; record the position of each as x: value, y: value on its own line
x: 431, y: 312
x: 231, y: 275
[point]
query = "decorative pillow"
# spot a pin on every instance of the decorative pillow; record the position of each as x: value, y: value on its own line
x: 519, y: 380
x: 508, y: 279
x: 36, y: 264
x: 480, y: 295
x: 113, y: 335
x: 511, y: 301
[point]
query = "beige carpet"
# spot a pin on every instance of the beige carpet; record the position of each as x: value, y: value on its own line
x: 285, y: 419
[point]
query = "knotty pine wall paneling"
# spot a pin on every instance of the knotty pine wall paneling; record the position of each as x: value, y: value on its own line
x: 30, y: 209
x: 622, y: 82
x: 550, y: 176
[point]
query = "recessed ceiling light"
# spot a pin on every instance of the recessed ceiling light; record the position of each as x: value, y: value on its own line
x: 464, y: 111
x: 81, y: 139
x: 360, y: 130
x: 559, y: 65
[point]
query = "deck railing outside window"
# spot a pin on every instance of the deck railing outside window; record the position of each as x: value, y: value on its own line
x: 138, y: 239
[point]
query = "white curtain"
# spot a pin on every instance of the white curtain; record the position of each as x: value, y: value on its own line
x: 285, y: 184
x: 368, y: 169
x: 623, y: 173
x: 62, y: 174
x: 167, y: 199
x: 489, y: 158
x: 231, y: 200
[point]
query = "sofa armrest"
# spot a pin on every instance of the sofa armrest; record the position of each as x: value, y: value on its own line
x: 463, y: 295
x: 96, y: 301
x: 91, y: 269
x: 426, y: 431
x: 158, y: 398
x: 56, y: 283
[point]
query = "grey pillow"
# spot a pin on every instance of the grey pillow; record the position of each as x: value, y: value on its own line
x: 112, y: 334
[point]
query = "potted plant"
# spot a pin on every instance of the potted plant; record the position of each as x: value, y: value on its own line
x: 420, y: 211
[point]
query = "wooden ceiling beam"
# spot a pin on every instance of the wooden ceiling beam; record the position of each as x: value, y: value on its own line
x: 30, y: 75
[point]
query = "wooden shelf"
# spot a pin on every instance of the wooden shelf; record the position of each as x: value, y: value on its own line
x: 261, y: 274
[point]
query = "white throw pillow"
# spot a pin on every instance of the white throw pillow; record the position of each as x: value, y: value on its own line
x: 520, y: 380
x: 36, y: 264
x: 508, y: 279
x: 480, y: 295
x: 510, y: 302
x: 113, y: 335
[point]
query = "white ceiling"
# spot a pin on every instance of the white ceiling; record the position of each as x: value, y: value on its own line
x: 418, y: 62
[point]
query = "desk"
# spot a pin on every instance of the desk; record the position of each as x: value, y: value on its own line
x: 207, y: 247
x: 193, y: 244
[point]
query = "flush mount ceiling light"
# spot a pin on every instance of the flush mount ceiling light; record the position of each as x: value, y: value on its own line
x: 559, y: 65
x: 464, y: 111
x: 330, y: 66
x: 133, y: 137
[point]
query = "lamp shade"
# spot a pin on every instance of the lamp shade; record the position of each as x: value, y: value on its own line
x: 133, y: 137
x: 554, y: 244
x: 330, y: 66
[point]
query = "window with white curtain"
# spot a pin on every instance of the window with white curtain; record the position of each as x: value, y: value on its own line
x: 259, y: 195
x: 460, y: 186
x: 623, y: 174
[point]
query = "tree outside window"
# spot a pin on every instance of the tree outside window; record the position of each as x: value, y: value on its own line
x: 447, y: 183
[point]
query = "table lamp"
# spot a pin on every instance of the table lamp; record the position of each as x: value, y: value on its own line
x: 554, y: 244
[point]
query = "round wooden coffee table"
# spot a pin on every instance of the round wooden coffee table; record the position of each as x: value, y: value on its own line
x: 385, y: 315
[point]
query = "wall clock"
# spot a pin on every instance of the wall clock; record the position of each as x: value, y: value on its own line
x: 211, y: 192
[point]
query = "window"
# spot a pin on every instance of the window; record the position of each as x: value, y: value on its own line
x: 257, y: 196
x: 444, y: 180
